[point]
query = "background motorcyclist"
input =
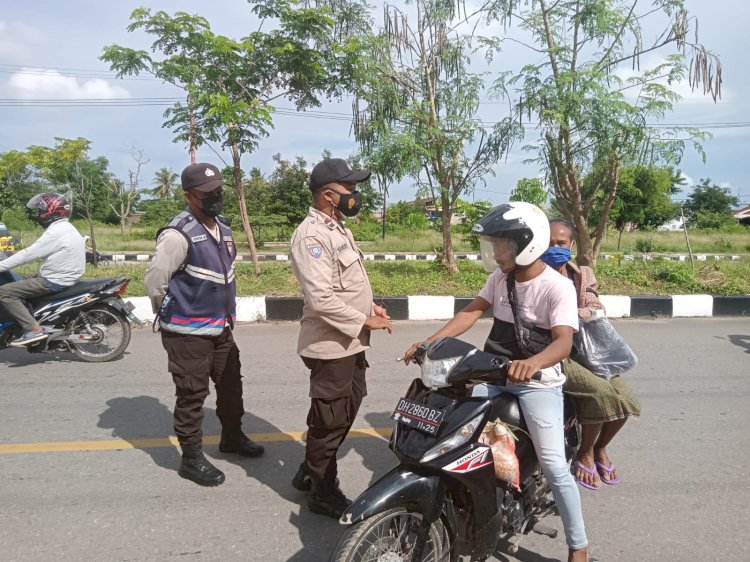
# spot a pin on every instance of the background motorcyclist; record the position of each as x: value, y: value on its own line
x: 62, y: 249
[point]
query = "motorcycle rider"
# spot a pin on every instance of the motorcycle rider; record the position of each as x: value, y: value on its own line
x: 63, y: 251
x: 514, y: 236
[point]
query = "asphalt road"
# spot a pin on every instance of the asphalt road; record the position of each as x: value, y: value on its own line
x: 88, y: 484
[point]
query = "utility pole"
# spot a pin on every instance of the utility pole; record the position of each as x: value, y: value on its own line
x: 687, y: 240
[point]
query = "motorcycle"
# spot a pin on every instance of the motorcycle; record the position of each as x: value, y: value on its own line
x: 89, y: 319
x: 443, y: 502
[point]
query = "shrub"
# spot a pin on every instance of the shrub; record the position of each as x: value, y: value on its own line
x: 645, y: 245
x: 17, y: 220
x: 141, y: 234
x: 366, y: 230
x: 724, y: 243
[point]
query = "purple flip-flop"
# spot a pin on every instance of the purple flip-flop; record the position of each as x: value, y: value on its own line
x: 587, y: 470
x: 609, y: 470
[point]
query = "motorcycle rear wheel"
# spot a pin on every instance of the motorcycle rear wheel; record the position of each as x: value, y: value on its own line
x: 108, y: 329
x: 389, y: 537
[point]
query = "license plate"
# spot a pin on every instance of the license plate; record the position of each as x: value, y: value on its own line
x: 418, y: 416
x: 128, y: 306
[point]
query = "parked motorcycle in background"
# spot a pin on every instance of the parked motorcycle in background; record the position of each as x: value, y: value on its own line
x: 444, y: 502
x: 89, y: 319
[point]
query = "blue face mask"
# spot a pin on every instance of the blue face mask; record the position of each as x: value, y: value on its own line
x: 555, y: 256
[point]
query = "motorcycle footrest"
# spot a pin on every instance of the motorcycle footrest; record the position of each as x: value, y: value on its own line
x: 541, y: 529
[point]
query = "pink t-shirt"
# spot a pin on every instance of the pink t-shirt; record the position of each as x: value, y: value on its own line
x: 546, y: 301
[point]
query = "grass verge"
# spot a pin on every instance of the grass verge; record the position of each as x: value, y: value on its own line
x: 659, y: 277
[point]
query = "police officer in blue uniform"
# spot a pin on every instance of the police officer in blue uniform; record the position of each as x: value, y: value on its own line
x: 192, y: 288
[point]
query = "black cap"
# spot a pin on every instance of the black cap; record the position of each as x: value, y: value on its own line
x: 203, y: 177
x: 333, y: 170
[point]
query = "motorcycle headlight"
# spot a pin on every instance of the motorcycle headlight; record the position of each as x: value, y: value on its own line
x: 435, y: 372
x: 455, y: 440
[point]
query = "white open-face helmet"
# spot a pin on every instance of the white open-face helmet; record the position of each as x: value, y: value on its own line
x: 524, y: 224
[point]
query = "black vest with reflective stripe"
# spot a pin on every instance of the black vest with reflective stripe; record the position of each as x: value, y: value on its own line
x: 201, y: 295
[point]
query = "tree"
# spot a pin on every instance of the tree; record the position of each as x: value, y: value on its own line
x: 644, y: 198
x: 124, y: 197
x: 471, y: 213
x: 18, y: 182
x: 288, y: 191
x: 710, y: 206
x: 530, y: 190
x: 416, y: 86
x: 389, y: 161
x: 165, y: 184
x: 230, y: 84
x: 66, y: 168
x: 591, y: 122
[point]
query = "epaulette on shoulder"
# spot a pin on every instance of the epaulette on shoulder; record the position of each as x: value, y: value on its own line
x: 178, y: 223
x: 224, y: 220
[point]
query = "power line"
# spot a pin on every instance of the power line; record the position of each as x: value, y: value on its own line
x: 319, y: 114
x: 69, y: 73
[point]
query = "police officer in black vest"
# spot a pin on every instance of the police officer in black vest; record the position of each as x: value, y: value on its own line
x: 192, y: 289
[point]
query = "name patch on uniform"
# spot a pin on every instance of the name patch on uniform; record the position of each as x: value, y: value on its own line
x: 315, y: 250
x: 343, y: 246
x: 227, y: 239
x: 199, y: 238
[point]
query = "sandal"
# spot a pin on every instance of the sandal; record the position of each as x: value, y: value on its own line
x: 609, y: 470
x: 587, y: 470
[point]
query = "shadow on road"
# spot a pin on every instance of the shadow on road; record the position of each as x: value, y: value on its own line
x: 145, y: 417
x: 133, y: 419
x: 741, y: 341
x: 275, y: 470
x: 523, y: 555
x: 17, y: 357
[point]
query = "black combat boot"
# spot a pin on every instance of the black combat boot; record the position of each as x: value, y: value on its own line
x: 303, y: 481
x: 235, y: 441
x: 196, y: 467
x: 326, y: 498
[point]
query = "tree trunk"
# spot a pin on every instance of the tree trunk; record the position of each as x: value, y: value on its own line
x: 619, y: 239
x: 93, y: 238
x: 384, y: 197
x: 449, y: 259
x: 237, y: 174
x: 585, y: 243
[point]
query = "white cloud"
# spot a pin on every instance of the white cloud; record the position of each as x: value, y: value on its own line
x: 38, y: 83
x: 16, y: 39
x: 689, y: 181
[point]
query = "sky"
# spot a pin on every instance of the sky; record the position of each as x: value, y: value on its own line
x: 49, y: 50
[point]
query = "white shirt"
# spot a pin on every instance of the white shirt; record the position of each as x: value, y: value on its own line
x: 548, y: 300
x: 63, y: 250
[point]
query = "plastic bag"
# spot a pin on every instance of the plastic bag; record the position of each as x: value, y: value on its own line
x: 598, y: 347
x: 502, y: 442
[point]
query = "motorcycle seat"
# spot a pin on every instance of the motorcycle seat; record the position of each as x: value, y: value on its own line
x: 78, y: 288
x: 505, y: 407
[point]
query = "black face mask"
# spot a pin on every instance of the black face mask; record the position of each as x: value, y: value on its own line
x: 212, y: 206
x: 349, y: 203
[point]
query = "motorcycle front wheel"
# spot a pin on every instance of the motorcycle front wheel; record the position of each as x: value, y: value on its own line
x: 104, y: 334
x: 390, y: 537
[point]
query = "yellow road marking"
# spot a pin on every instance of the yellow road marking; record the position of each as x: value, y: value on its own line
x: 117, y: 444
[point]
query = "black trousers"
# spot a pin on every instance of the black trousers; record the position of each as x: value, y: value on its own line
x: 337, y: 387
x: 193, y: 361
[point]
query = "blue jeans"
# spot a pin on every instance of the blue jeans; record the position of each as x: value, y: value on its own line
x: 543, y: 410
